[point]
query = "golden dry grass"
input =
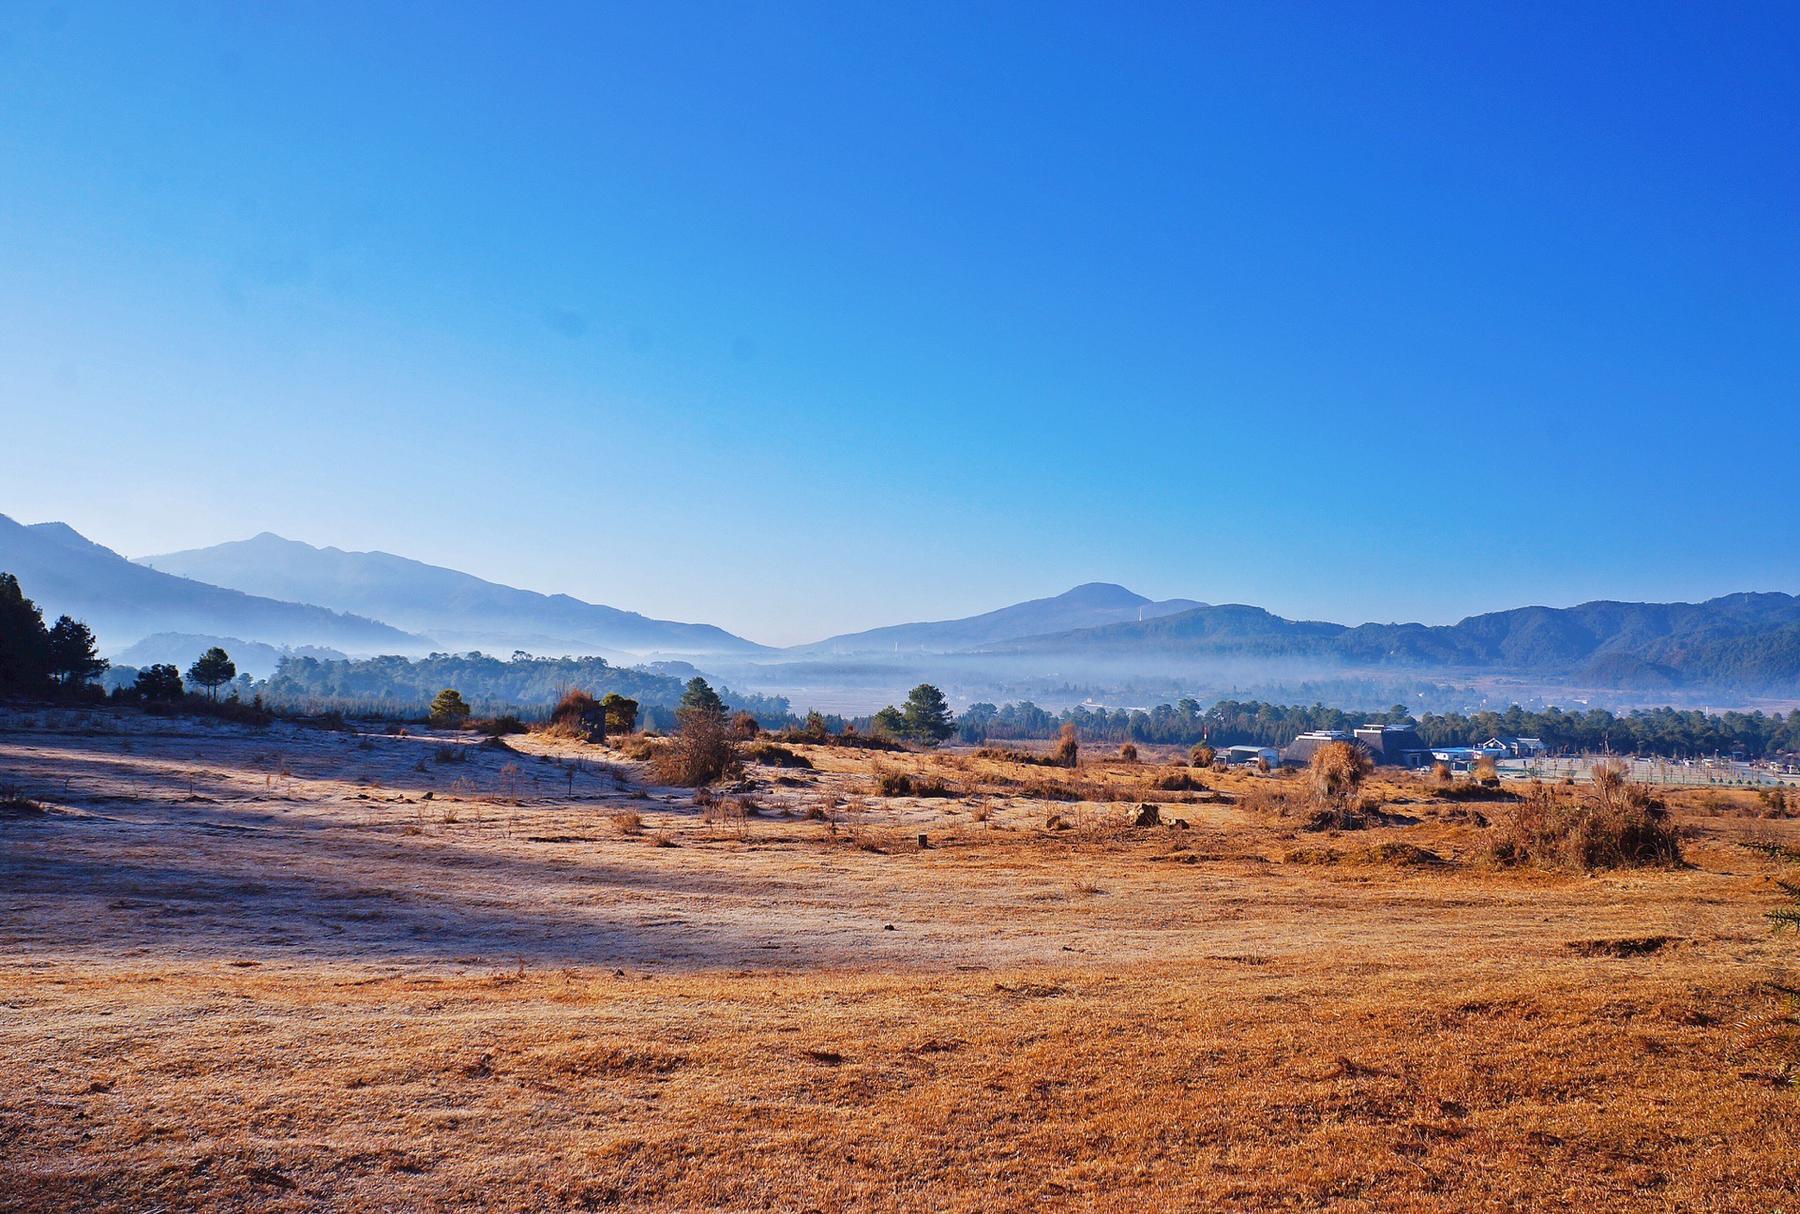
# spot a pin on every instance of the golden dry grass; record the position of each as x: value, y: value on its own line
x: 245, y: 970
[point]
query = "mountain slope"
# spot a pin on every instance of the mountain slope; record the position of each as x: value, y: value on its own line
x: 457, y: 609
x: 1086, y: 606
x: 124, y: 602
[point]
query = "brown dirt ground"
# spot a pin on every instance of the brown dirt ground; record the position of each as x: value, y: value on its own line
x: 259, y: 969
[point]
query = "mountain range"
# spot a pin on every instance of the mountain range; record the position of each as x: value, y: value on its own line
x: 279, y: 594
x: 456, y: 610
x: 124, y: 602
x: 1748, y: 640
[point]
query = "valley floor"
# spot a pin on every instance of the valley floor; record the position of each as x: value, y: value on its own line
x: 289, y: 969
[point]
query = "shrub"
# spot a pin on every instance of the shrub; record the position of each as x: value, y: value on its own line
x: 1202, y: 755
x: 1337, y: 772
x: 495, y: 727
x: 1617, y: 824
x: 1128, y: 753
x: 890, y: 783
x: 1068, y: 747
x: 1177, y: 781
x: 743, y: 727
x: 628, y: 822
x: 775, y: 755
x: 700, y: 754
x: 578, y: 715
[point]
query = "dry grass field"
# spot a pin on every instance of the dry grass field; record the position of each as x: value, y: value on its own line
x: 290, y: 969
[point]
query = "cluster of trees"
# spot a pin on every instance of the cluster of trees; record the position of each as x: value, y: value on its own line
x: 924, y: 718
x: 1660, y: 731
x: 63, y: 657
x: 34, y: 659
x: 489, y: 685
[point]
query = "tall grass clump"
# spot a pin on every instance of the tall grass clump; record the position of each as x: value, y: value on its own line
x: 1614, y: 823
x: 1068, y: 747
x: 1336, y: 775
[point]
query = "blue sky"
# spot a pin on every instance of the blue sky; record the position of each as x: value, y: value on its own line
x: 799, y: 319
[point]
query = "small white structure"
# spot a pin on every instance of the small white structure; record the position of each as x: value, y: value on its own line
x: 1514, y: 748
x: 1239, y: 756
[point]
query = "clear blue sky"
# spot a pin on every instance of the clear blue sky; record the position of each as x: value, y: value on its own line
x: 799, y: 319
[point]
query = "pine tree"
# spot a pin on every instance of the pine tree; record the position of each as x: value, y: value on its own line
x: 701, y: 696
x: 73, y: 656
x: 449, y: 708
x: 927, y: 715
x: 24, y: 643
x: 212, y: 670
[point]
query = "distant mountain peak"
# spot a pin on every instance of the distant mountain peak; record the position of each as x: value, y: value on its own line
x: 1102, y: 593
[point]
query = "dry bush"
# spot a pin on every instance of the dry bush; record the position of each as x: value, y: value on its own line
x: 1068, y: 747
x: 1441, y: 774
x: 776, y: 755
x: 1778, y: 803
x: 744, y: 727
x: 451, y: 754
x: 1202, y: 755
x: 1337, y: 772
x: 1178, y: 781
x: 1273, y: 800
x: 512, y: 781
x: 577, y: 716
x: 628, y: 822
x: 1616, y: 824
x: 1128, y: 753
x: 892, y: 783
x: 639, y: 747
x: 495, y: 727
x: 1486, y: 771
x: 699, y: 755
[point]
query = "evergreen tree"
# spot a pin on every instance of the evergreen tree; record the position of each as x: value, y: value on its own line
x: 73, y: 656
x: 158, y: 682
x: 449, y: 708
x: 24, y: 642
x: 927, y: 715
x: 212, y: 670
x: 890, y: 722
x: 701, y: 696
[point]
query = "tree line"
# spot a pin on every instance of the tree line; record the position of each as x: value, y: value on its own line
x: 1669, y: 732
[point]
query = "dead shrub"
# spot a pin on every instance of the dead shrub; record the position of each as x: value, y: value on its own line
x: 1202, y: 755
x: 744, y: 727
x: 1178, y: 781
x: 1337, y: 772
x: 701, y: 754
x: 1128, y: 753
x: 578, y: 715
x: 628, y: 822
x: 892, y: 783
x: 1068, y: 747
x: 1616, y: 824
x: 775, y: 755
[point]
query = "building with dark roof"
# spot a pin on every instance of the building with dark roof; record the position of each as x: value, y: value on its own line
x: 1395, y: 745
